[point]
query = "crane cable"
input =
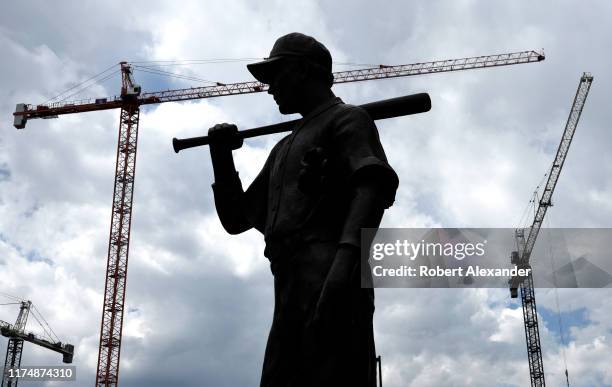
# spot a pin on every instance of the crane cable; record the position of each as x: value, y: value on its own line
x: 523, y: 219
x: 54, y: 337
x: 189, y: 62
x: 556, y: 290
x: 152, y: 70
x: 150, y: 67
x: 182, y: 62
x: 92, y: 78
x: 97, y: 82
x: 48, y: 331
x: 17, y: 299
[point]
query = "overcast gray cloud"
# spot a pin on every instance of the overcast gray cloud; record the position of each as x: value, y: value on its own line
x: 200, y: 301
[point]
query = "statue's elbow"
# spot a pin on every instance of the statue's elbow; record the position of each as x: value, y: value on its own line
x: 235, y: 228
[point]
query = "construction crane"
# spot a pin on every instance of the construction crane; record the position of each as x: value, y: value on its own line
x: 17, y: 335
x: 129, y: 101
x: 521, y: 256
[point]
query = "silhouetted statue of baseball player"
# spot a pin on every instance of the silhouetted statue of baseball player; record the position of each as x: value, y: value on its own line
x: 319, y: 186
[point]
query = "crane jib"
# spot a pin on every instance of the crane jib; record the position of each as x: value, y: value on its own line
x: 23, y: 112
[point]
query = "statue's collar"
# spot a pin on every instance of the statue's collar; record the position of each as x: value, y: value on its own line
x: 320, y: 109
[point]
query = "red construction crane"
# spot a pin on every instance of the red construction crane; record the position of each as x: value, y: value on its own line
x: 17, y: 334
x: 523, y: 254
x: 129, y: 102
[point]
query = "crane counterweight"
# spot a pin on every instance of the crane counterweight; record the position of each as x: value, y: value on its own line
x: 19, y: 120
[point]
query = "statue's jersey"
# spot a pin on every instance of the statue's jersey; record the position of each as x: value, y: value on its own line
x: 304, y: 189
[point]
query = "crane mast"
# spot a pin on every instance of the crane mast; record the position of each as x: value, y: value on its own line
x: 109, y: 351
x: 525, y: 247
x: 14, y: 348
x: 129, y: 102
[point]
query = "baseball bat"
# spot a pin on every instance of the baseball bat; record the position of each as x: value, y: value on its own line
x: 379, y: 110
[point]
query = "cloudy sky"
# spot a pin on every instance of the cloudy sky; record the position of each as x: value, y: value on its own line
x: 199, y: 301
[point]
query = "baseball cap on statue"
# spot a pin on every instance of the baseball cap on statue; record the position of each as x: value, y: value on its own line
x: 294, y: 44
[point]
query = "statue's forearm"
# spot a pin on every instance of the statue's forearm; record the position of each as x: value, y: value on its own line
x: 365, y: 211
x: 223, y: 164
x: 228, y: 192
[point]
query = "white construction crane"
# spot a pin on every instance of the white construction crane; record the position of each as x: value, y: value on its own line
x: 17, y: 334
x: 525, y: 247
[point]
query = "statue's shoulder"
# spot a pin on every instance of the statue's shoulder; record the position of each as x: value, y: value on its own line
x: 346, y: 112
x: 280, y: 143
x: 284, y: 139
